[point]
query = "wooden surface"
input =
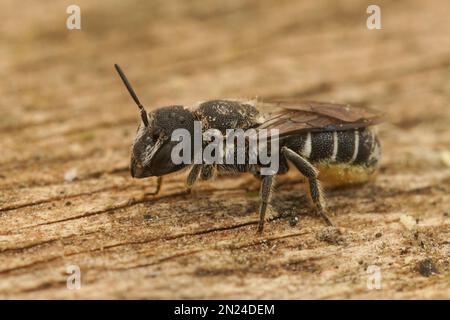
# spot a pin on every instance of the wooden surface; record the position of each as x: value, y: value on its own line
x: 63, y: 108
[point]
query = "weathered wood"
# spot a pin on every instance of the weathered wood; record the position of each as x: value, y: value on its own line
x: 63, y: 107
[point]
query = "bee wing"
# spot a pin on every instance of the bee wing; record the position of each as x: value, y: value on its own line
x: 291, y: 117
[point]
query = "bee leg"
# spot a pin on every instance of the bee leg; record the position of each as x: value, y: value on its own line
x: 193, y: 176
x: 314, y: 186
x: 266, y: 191
x: 256, y: 175
x: 207, y: 172
x: 158, y: 187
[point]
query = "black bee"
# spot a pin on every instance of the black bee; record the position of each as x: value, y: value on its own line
x: 332, y: 140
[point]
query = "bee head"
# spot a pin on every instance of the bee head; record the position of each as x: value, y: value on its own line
x: 152, y: 147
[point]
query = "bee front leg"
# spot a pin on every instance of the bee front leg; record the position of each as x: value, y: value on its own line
x: 193, y: 176
x: 205, y: 172
x: 158, y: 187
x: 266, y: 191
x: 310, y: 173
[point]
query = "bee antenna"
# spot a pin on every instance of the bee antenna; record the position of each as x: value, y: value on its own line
x: 133, y: 94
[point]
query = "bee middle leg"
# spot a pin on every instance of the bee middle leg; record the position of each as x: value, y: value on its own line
x: 310, y: 173
x: 266, y: 191
x: 207, y: 172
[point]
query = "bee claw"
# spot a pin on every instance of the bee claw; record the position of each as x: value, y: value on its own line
x: 260, y: 229
x: 325, y: 218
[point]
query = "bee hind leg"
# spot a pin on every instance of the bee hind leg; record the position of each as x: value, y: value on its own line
x: 310, y: 173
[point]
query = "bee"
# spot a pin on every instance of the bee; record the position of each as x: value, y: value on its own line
x: 323, y: 141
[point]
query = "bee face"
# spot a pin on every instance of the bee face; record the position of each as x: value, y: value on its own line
x: 152, y: 148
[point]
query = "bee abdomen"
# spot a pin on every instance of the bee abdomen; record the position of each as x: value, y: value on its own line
x: 358, y: 147
x: 368, y: 150
x: 346, y: 145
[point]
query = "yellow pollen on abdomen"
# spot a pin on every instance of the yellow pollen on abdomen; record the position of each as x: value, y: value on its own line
x: 338, y: 175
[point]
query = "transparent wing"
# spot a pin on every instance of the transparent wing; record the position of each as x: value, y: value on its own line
x: 291, y: 117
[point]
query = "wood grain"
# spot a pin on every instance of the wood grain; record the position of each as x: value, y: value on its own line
x: 64, y: 108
